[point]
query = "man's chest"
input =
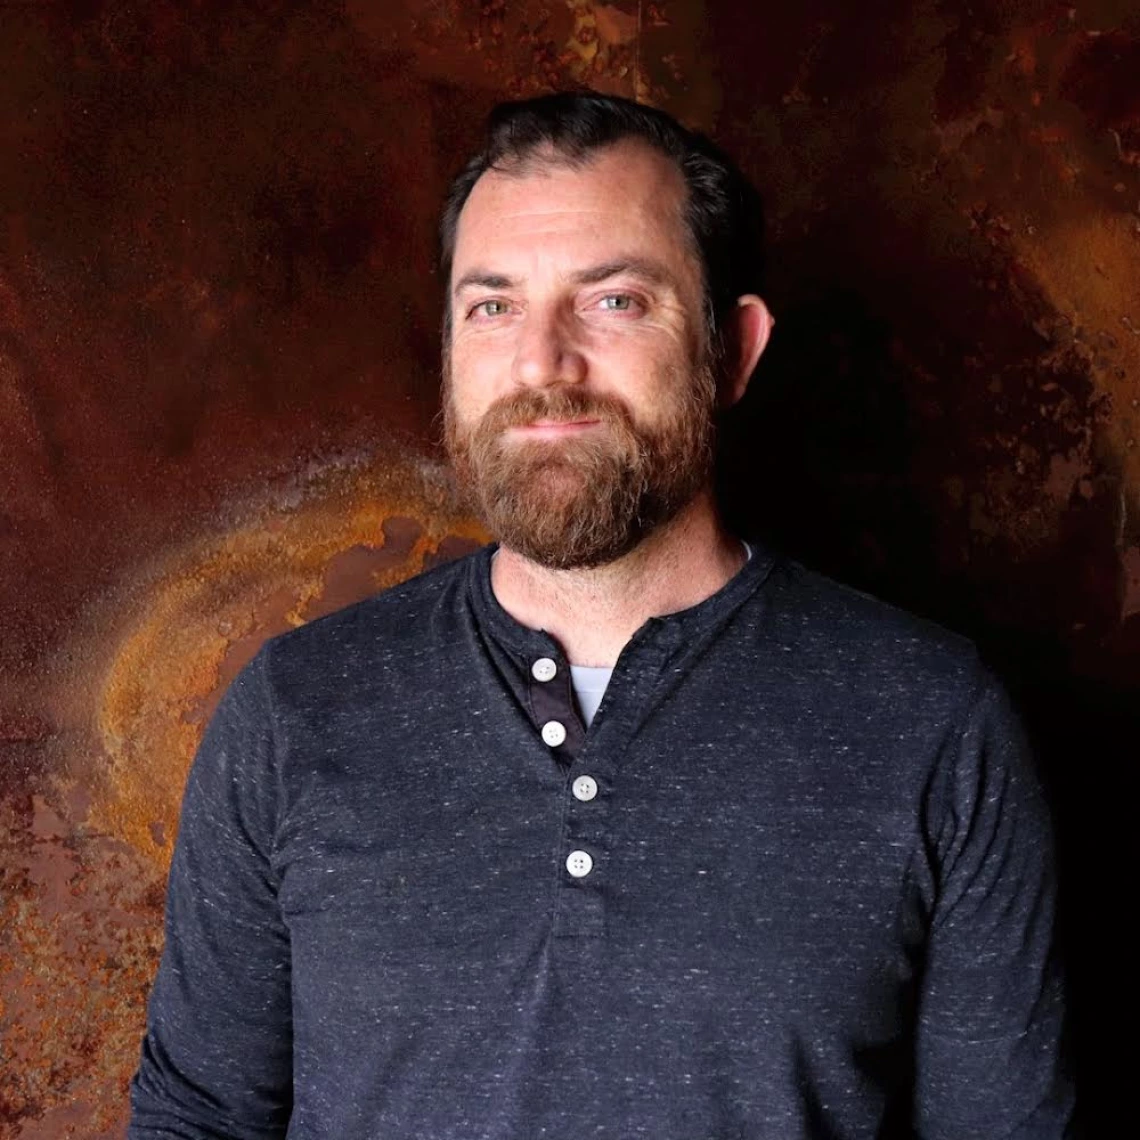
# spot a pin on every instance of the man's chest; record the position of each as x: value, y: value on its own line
x: 726, y: 862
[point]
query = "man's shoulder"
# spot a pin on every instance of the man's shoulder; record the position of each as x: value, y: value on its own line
x: 855, y: 612
x: 404, y: 617
x: 839, y: 626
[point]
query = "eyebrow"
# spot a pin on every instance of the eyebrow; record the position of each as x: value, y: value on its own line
x: 482, y: 279
x: 643, y: 267
x: 646, y: 268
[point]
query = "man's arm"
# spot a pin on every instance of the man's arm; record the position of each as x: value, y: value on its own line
x: 989, y: 1063
x: 217, y: 1057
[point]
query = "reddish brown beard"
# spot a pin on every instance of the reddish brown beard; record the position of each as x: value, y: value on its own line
x: 584, y: 501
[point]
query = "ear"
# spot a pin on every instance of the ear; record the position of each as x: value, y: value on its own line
x: 747, y: 329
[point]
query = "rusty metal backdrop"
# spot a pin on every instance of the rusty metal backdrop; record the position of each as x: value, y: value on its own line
x: 218, y: 378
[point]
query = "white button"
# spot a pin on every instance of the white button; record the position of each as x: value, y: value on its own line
x: 544, y: 669
x: 585, y: 788
x: 579, y: 864
x: 553, y: 733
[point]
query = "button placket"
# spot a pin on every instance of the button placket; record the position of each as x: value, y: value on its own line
x: 583, y: 855
x: 551, y: 705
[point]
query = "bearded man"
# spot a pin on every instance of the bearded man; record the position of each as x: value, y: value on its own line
x: 619, y: 827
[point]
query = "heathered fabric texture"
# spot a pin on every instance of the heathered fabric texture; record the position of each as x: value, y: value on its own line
x: 820, y: 903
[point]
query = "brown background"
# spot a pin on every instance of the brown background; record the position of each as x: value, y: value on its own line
x: 218, y: 387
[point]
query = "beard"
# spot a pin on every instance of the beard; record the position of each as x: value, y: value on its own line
x: 585, y: 501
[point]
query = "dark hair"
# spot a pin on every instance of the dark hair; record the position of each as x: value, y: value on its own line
x: 723, y: 211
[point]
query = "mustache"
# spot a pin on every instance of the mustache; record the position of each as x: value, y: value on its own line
x: 554, y: 404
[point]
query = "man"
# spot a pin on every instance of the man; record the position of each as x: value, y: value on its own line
x: 789, y: 878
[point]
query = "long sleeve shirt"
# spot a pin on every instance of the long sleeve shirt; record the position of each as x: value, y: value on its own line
x: 793, y: 882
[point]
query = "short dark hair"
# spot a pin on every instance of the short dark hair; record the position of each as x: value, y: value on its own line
x: 723, y: 211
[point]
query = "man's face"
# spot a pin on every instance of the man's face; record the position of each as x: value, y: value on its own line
x: 578, y: 396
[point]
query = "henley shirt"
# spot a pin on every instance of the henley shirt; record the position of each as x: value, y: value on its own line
x: 793, y: 882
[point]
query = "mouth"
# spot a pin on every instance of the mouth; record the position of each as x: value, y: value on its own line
x: 553, y: 429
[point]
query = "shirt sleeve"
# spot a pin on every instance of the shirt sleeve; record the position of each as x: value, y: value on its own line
x: 989, y: 1061
x: 217, y: 1056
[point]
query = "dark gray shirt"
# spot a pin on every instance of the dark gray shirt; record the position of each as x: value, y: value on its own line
x: 794, y: 882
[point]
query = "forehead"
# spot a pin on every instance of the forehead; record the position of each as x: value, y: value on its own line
x: 628, y: 195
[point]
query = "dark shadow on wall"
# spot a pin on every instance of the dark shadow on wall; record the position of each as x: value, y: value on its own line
x: 820, y: 461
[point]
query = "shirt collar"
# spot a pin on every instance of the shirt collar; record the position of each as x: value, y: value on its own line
x: 669, y: 629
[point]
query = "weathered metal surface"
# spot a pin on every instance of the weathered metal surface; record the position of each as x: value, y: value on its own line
x: 218, y: 384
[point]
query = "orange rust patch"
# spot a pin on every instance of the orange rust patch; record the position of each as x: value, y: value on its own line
x: 1087, y: 269
x: 602, y: 48
x: 213, y: 605
x: 79, y: 943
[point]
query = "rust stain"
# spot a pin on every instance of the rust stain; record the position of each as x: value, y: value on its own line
x: 79, y: 946
x: 212, y: 606
x: 516, y: 49
x: 1089, y: 271
x: 602, y: 49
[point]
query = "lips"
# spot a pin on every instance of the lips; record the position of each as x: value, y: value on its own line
x: 580, y: 421
x: 554, y: 429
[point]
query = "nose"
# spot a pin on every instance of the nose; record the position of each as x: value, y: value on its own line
x: 545, y: 352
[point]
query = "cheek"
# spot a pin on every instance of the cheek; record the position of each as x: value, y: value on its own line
x: 470, y: 386
x: 479, y: 360
x: 644, y: 371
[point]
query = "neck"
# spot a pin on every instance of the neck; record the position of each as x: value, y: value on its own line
x: 593, y: 613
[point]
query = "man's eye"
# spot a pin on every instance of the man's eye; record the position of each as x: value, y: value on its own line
x: 617, y: 302
x: 492, y: 308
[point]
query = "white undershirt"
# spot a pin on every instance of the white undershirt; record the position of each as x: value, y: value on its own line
x: 590, y: 683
